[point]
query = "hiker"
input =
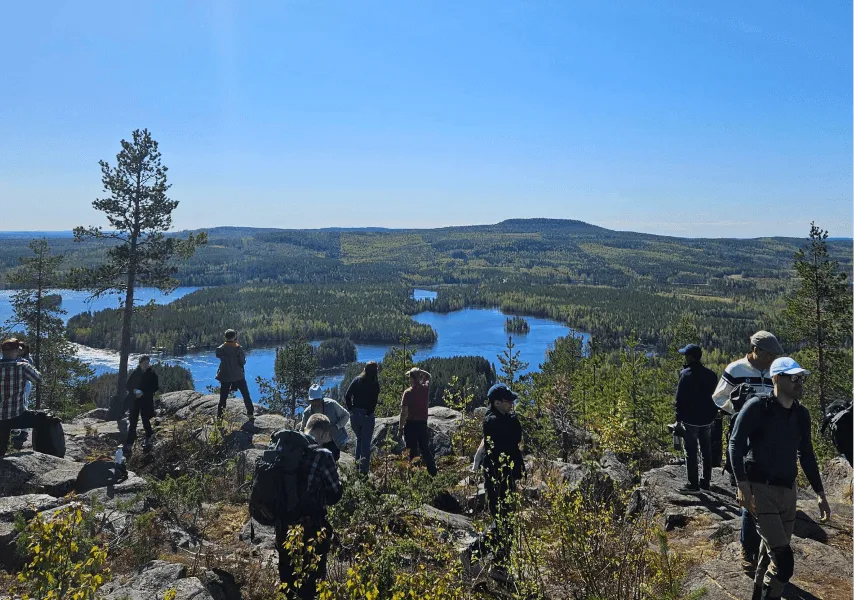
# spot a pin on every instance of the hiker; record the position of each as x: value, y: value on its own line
x: 14, y: 375
x: 752, y: 370
x: 770, y: 436
x: 231, y: 375
x: 337, y: 415
x: 696, y: 410
x: 503, y: 466
x: 837, y: 423
x: 361, y: 400
x: 141, y: 385
x: 413, y: 418
x: 318, y: 476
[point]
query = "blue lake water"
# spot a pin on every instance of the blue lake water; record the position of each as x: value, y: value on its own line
x: 467, y: 332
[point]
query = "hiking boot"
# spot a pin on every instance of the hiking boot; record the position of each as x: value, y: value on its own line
x: 748, y: 564
x: 147, y: 443
x: 704, y: 484
x: 691, y: 488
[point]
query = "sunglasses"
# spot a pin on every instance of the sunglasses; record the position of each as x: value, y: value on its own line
x: 797, y: 378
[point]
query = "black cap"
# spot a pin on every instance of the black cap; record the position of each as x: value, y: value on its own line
x: 692, y: 350
x: 499, y: 391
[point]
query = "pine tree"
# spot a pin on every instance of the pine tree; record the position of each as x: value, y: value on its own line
x: 819, y: 312
x: 41, y: 318
x: 295, y: 368
x: 138, y: 252
x: 511, y: 364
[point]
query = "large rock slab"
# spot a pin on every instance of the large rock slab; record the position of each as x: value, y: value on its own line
x: 114, y: 431
x: 34, y: 472
x: 172, y: 402
x: 27, y: 506
x: 153, y: 580
x: 207, y: 406
x: 616, y: 470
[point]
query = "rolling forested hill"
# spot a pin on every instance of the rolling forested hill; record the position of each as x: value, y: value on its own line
x: 520, y: 250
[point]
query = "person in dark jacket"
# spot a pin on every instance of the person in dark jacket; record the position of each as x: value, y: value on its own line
x: 696, y: 410
x: 769, y: 438
x: 361, y: 400
x: 503, y: 465
x: 231, y: 374
x: 141, y: 385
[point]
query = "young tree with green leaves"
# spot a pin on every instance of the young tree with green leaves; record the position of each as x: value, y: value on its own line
x: 511, y: 364
x: 40, y: 316
x: 294, y: 371
x: 818, y: 314
x: 138, y: 252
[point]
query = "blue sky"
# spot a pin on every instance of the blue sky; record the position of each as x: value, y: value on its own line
x: 666, y: 117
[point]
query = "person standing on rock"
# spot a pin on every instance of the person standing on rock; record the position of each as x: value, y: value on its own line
x: 14, y: 376
x: 142, y: 384
x: 503, y: 465
x: 318, y: 475
x: 769, y: 438
x: 696, y: 410
x: 413, y: 418
x: 231, y: 374
x: 752, y: 370
x: 361, y: 400
x: 337, y: 415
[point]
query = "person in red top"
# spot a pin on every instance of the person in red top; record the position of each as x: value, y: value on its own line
x: 413, y: 418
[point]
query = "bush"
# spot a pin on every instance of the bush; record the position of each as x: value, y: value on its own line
x: 65, y: 558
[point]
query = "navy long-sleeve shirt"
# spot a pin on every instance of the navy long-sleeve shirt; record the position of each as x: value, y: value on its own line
x: 769, y: 442
x: 693, y: 404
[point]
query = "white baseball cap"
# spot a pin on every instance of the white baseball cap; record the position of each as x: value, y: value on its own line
x: 315, y: 393
x: 786, y: 366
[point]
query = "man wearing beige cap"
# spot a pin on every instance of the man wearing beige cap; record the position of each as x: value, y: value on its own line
x: 753, y: 369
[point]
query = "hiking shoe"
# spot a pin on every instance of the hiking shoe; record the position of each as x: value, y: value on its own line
x: 748, y: 564
x: 691, y: 488
x: 147, y: 443
x: 704, y: 484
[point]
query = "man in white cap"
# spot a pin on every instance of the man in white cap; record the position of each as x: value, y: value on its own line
x: 337, y: 415
x: 770, y: 436
x: 751, y: 370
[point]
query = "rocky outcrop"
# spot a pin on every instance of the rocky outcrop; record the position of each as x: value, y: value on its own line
x: 33, y: 472
x: 153, y: 580
x: 443, y: 422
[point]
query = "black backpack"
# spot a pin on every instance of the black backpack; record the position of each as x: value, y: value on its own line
x: 277, y: 496
x: 838, y: 420
x: 48, y: 435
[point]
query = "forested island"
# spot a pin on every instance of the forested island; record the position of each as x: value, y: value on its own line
x: 516, y: 325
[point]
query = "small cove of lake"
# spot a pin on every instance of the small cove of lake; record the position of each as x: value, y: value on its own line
x: 466, y: 332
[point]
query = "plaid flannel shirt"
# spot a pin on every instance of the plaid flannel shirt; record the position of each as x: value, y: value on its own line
x: 14, y: 375
x: 322, y: 480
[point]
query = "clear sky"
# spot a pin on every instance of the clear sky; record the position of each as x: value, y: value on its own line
x: 683, y: 118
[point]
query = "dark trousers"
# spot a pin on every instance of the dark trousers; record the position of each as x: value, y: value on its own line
x: 498, y: 537
x: 141, y: 407
x: 308, y: 587
x: 226, y: 387
x: 26, y: 420
x: 417, y: 437
x: 363, y: 426
x: 701, y: 435
x: 750, y: 538
x: 333, y: 448
x: 717, y: 433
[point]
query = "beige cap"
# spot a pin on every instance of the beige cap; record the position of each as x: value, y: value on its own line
x: 765, y: 340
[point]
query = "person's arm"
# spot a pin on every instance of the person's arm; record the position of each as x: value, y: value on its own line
x: 241, y: 356
x: 342, y: 417
x: 31, y: 373
x: 348, y: 397
x: 306, y: 413
x: 324, y: 473
x: 748, y: 421
x: 219, y: 350
x: 130, y: 384
x: 722, y: 392
x: 478, y: 456
x: 681, y: 398
x: 806, y: 455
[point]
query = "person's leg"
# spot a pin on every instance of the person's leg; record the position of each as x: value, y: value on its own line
x: 411, y: 439
x: 716, y: 434
x: 750, y: 541
x: 134, y: 419
x: 224, y: 391
x: 691, y: 454
x: 504, y: 522
x: 147, y: 412
x: 5, y: 432
x: 247, y: 401
x: 366, y: 439
x: 704, y: 435
x: 424, y: 447
x: 774, y: 519
x: 286, y: 569
x: 356, y: 424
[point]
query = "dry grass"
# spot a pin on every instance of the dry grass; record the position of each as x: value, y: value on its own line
x: 224, y: 522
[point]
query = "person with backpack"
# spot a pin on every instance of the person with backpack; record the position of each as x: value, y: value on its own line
x: 141, y: 386
x: 769, y: 438
x: 14, y: 376
x: 231, y: 373
x: 296, y: 480
x: 337, y: 415
x: 752, y: 370
x: 696, y: 410
x: 413, y: 418
x: 503, y: 465
x: 837, y: 423
x: 361, y: 400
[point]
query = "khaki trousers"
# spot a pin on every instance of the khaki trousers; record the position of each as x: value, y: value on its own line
x: 775, y: 520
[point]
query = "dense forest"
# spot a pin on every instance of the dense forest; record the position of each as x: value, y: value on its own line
x: 531, y: 251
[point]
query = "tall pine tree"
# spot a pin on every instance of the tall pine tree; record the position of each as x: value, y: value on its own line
x: 138, y: 252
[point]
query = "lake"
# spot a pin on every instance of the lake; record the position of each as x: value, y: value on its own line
x: 471, y: 331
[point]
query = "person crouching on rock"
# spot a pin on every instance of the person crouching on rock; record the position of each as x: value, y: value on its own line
x: 231, y: 374
x: 142, y: 384
x: 696, y: 410
x: 14, y: 375
x: 337, y: 415
x: 503, y: 466
x: 769, y: 438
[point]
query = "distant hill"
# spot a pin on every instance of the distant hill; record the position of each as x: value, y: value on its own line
x: 541, y: 251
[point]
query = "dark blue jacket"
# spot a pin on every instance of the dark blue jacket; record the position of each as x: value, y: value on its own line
x: 694, y: 404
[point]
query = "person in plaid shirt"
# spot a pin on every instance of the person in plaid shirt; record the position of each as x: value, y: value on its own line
x: 14, y: 375
x: 319, y: 474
